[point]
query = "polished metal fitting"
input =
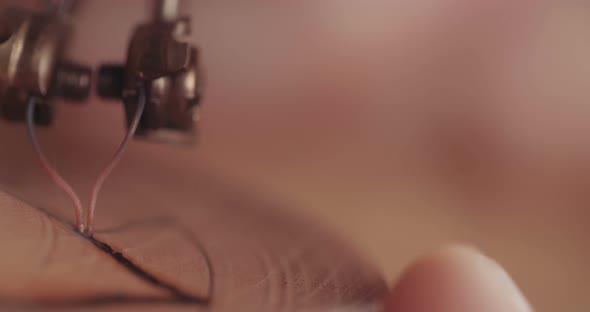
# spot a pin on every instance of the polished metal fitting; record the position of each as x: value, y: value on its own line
x: 31, y: 63
x: 162, y: 62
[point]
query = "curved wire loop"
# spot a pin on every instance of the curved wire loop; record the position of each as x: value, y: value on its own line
x: 114, y: 161
x: 63, y: 184
x: 51, y: 171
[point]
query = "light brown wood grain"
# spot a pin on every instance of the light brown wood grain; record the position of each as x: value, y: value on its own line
x: 193, y: 231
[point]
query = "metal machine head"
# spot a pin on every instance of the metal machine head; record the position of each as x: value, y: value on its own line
x: 162, y: 62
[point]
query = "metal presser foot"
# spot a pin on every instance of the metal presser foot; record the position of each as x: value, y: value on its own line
x: 31, y: 63
x: 166, y: 66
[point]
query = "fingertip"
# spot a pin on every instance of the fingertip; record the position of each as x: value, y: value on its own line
x: 456, y: 279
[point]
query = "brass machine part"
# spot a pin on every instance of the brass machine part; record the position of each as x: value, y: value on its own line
x: 31, y: 63
x: 161, y: 60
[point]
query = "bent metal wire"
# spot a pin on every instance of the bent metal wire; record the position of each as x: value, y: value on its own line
x: 160, y: 88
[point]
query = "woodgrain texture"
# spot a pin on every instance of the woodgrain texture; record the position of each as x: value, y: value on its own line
x: 169, y: 241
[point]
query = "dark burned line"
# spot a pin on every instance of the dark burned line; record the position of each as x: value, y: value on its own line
x: 162, y: 222
x: 177, y: 296
x: 145, y: 275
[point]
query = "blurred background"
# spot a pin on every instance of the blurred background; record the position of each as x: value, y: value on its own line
x: 400, y: 125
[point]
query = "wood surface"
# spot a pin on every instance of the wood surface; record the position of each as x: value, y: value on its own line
x: 166, y: 241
